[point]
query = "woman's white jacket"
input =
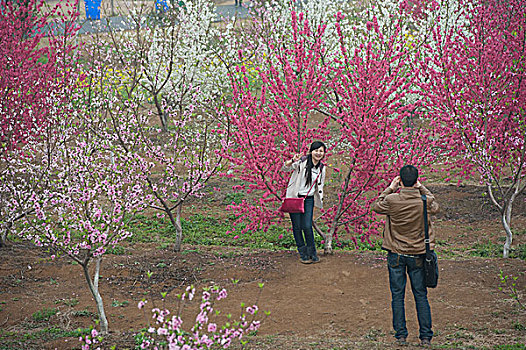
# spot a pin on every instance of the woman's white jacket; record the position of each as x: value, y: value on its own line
x: 298, y: 171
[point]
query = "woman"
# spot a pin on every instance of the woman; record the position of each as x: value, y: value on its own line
x: 307, y: 179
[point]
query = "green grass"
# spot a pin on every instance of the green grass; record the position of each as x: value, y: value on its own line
x: 117, y: 303
x: 207, y: 230
x: 25, y: 339
x: 56, y: 333
x: 44, y: 314
x: 117, y: 250
x: 233, y: 197
x: 510, y: 347
x: 68, y: 302
x: 361, y: 244
x: 518, y: 232
x: 84, y: 313
x: 488, y: 249
x: 145, y: 229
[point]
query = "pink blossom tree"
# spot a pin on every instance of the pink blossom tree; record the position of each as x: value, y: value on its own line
x: 25, y: 174
x: 33, y: 75
x: 178, y: 73
x: 184, y: 160
x: 380, y: 119
x: 37, y: 74
x: 92, y: 194
x: 365, y: 94
x: 270, y: 125
x: 72, y: 188
x: 475, y: 76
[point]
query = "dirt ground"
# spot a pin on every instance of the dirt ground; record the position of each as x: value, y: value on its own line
x: 341, y: 303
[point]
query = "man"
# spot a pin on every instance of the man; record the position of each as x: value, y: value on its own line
x: 404, y: 241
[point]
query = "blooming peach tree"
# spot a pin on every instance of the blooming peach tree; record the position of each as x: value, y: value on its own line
x: 475, y: 75
x: 33, y: 77
x: 171, y: 72
x: 380, y: 120
x: 366, y: 96
x: 93, y: 194
x: 270, y: 125
x: 36, y: 82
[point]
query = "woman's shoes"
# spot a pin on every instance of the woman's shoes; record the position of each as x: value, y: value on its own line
x: 305, y: 261
x: 308, y: 255
x: 314, y: 259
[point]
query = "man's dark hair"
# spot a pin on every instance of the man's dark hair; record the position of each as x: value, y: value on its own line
x: 408, y: 175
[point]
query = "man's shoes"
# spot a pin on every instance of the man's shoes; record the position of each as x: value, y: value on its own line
x: 401, y: 341
x: 426, y: 342
x: 305, y: 261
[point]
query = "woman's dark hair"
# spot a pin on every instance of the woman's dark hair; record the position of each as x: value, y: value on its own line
x: 308, y: 173
x: 408, y: 175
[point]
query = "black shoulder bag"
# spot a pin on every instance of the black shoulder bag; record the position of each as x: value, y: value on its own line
x: 430, y: 261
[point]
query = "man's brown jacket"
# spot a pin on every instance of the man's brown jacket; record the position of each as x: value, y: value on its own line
x: 404, y: 225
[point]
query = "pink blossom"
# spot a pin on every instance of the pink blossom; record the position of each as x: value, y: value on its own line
x: 222, y: 294
x: 252, y: 309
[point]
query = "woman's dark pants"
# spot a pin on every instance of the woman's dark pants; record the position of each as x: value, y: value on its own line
x: 302, y: 230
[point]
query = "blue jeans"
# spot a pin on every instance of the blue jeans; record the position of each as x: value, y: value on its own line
x: 302, y: 225
x: 398, y: 265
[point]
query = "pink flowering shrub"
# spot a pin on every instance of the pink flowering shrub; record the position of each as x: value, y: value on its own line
x: 91, y: 340
x: 208, y: 331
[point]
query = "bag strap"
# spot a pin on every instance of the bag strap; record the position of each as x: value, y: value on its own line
x: 314, y: 182
x: 426, y: 225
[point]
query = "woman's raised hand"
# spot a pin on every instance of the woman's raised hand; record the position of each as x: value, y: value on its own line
x: 294, y: 158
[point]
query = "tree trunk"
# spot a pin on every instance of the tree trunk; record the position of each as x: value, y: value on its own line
x: 178, y: 228
x: 176, y: 223
x: 318, y: 229
x: 328, y: 242
x: 509, y: 237
x: 505, y: 211
x: 506, y: 221
x: 334, y: 225
x: 162, y: 115
x: 3, y: 238
x: 94, y: 288
x: 5, y: 232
